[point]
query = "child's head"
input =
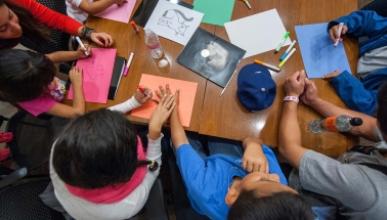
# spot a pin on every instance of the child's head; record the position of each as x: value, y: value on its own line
x: 96, y: 150
x: 24, y: 75
x: 262, y: 196
x: 278, y: 206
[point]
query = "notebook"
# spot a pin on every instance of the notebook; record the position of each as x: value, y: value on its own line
x: 97, y: 74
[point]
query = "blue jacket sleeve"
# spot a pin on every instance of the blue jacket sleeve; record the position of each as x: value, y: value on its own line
x: 363, y: 23
x: 353, y: 93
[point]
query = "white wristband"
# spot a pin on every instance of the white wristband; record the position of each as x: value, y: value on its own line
x: 291, y: 99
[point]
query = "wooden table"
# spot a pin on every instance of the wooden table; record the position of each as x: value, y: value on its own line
x: 223, y: 116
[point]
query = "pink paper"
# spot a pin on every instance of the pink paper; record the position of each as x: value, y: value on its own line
x: 119, y: 13
x: 97, y: 74
x: 186, y: 99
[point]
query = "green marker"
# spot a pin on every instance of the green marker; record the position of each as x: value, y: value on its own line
x: 284, y: 38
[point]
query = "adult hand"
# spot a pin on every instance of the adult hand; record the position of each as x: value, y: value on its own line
x: 332, y: 74
x: 310, y: 94
x: 101, y: 39
x: 143, y: 95
x: 334, y: 32
x: 76, y: 75
x: 253, y: 159
x: 294, y: 85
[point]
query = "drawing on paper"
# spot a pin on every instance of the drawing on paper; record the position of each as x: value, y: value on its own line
x: 175, y: 20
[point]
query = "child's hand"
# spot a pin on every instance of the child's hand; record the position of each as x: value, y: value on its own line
x: 310, y: 94
x: 76, y: 76
x: 161, y: 114
x: 142, y: 95
x: 81, y: 52
x: 253, y: 158
x: 334, y: 32
x: 332, y: 74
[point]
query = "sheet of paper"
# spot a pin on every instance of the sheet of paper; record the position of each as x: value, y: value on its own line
x: 257, y: 33
x: 174, y: 22
x: 319, y: 54
x: 187, y: 97
x: 215, y: 12
x: 97, y: 74
x: 118, y: 13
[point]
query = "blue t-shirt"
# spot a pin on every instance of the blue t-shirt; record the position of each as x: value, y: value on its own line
x: 207, y: 180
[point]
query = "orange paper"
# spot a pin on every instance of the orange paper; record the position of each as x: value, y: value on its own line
x: 186, y: 101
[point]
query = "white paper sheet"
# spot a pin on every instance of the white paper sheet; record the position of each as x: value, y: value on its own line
x: 174, y: 22
x: 257, y: 33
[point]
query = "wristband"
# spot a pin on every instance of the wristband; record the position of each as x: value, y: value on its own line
x: 291, y: 99
x: 86, y: 32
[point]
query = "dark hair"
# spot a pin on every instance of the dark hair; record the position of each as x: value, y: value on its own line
x: 96, y: 150
x: 279, y: 206
x: 24, y: 75
x: 32, y: 28
x: 382, y: 108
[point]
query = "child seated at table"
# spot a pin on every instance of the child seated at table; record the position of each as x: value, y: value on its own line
x: 80, y: 9
x: 100, y: 168
x: 214, y: 182
x: 27, y: 80
x: 371, y: 31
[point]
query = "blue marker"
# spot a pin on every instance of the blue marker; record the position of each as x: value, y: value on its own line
x: 285, y: 54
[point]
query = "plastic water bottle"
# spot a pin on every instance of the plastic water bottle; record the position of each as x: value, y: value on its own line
x: 152, y: 41
x: 341, y: 123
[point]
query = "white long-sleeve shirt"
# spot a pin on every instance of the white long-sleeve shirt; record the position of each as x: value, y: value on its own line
x: 79, y: 208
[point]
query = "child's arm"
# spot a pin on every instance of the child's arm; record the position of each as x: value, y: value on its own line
x: 98, y: 6
x: 253, y: 158
x: 65, y: 56
x: 141, y: 96
x: 177, y: 131
x: 160, y: 115
x: 78, y: 107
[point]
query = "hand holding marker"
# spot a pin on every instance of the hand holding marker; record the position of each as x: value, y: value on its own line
x: 82, y: 46
x: 338, y: 34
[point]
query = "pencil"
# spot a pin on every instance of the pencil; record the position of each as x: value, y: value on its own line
x: 287, y: 58
x: 272, y: 67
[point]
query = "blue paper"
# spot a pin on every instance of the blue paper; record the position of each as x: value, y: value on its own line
x: 319, y: 54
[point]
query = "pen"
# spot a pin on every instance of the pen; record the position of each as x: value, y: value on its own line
x: 287, y: 58
x: 272, y: 67
x: 341, y: 25
x: 130, y: 58
x: 82, y: 45
x: 284, y: 38
x: 135, y: 27
x: 283, y: 56
x: 247, y: 3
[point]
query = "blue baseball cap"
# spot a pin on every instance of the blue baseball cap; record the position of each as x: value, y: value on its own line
x: 256, y: 89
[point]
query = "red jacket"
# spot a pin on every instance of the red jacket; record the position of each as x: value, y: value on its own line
x: 48, y: 17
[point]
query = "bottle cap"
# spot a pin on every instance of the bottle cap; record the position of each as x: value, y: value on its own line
x: 356, y: 121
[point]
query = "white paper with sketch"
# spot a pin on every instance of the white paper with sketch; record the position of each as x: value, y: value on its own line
x: 174, y: 22
x: 257, y: 33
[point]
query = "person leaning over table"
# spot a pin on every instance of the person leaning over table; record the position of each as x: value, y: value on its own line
x: 27, y: 19
x: 360, y: 93
x: 353, y: 186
